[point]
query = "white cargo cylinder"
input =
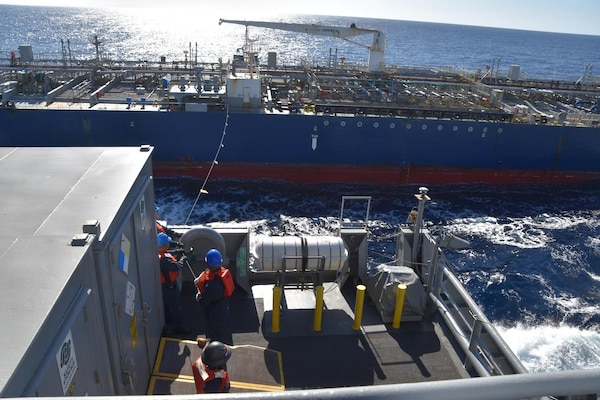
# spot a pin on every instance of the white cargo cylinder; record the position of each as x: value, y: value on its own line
x: 270, y: 252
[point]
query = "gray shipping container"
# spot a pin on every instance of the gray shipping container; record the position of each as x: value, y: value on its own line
x: 80, y: 287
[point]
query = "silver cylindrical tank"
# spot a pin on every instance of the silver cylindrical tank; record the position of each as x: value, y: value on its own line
x: 298, y: 251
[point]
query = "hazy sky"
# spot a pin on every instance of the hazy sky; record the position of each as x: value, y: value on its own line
x: 567, y: 16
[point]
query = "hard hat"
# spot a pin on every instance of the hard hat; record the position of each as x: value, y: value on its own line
x: 213, y: 258
x: 162, y: 239
x: 156, y: 207
x: 216, y: 354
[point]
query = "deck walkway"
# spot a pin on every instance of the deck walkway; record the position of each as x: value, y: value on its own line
x: 297, y: 357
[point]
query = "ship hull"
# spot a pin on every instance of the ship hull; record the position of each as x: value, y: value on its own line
x: 321, y: 148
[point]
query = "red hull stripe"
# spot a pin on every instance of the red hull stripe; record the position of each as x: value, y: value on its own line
x: 307, y: 173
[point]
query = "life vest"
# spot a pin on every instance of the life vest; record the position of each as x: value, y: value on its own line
x: 172, y: 274
x: 222, y: 273
x: 203, y: 374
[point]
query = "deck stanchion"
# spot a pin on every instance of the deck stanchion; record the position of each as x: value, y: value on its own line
x: 358, y: 307
x: 276, y: 309
x: 400, y: 294
x: 318, y: 309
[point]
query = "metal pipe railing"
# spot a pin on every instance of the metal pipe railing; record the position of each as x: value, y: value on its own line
x: 466, y: 337
x: 506, y: 387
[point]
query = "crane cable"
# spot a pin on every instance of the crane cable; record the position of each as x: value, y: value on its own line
x: 214, y: 162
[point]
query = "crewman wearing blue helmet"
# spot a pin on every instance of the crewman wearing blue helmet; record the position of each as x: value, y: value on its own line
x: 215, y: 285
x: 160, y: 228
x: 169, y: 271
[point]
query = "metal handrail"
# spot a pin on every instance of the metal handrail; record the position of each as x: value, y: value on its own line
x: 469, y: 338
x: 357, y: 224
x: 506, y: 387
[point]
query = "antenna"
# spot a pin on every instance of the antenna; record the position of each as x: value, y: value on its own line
x: 97, y: 43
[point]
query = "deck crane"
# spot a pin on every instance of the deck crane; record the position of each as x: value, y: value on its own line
x: 376, y: 49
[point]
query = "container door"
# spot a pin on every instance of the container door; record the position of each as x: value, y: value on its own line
x: 136, y: 296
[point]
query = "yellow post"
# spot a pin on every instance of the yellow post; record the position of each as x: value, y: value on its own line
x: 276, y: 309
x: 358, y: 307
x: 318, y: 309
x: 399, y: 305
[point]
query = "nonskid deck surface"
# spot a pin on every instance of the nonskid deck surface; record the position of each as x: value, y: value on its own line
x: 337, y: 356
x: 256, y: 368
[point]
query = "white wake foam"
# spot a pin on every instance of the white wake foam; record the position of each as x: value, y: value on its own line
x: 546, y: 348
x: 527, y: 232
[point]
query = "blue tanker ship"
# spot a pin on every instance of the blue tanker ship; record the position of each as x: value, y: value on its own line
x: 339, y: 123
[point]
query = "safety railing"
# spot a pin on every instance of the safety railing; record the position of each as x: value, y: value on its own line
x: 484, y: 349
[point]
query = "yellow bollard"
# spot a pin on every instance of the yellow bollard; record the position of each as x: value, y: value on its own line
x: 399, y: 305
x: 318, y: 309
x: 276, y: 309
x: 358, y: 307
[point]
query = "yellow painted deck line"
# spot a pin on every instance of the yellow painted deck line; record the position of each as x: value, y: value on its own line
x: 157, y: 362
x: 257, y: 386
x: 234, y: 384
x: 161, y: 349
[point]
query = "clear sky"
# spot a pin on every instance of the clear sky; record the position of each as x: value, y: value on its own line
x: 566, y: 16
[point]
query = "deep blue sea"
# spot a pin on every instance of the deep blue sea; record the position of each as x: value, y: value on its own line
x: 534, y: 260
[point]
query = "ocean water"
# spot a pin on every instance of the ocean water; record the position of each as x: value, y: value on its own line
x: 534, y: 261
x: 148, y: 34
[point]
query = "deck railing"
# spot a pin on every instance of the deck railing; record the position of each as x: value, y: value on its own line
x: 582, y: 383
x: 484, y: 349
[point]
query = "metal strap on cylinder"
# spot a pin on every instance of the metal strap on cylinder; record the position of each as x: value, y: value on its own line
x: 304, y: 253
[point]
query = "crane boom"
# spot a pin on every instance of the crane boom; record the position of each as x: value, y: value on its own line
x: 376, y: 49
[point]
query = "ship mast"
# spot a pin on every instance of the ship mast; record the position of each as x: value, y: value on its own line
x: 97, y: 43
x: 251, y: 53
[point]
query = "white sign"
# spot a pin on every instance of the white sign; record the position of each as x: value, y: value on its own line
x: 67, y: 362
x: 130, y: 299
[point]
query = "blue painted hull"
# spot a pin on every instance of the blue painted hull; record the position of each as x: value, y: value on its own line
x: 323, y: 148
